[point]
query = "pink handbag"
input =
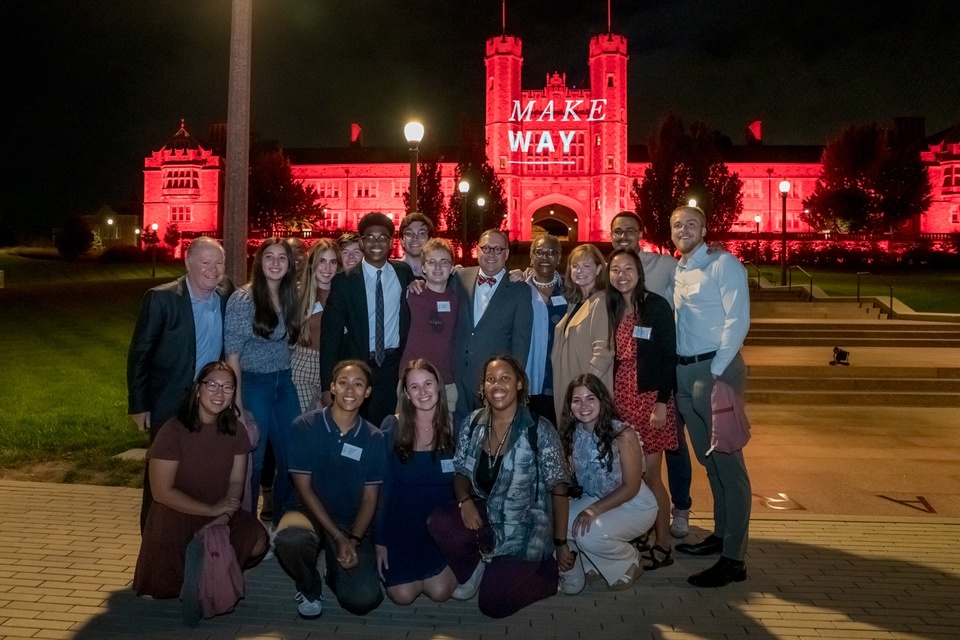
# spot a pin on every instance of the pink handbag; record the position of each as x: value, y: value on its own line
x: 731, y: 429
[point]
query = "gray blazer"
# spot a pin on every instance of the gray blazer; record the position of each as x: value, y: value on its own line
x: 504, y: 328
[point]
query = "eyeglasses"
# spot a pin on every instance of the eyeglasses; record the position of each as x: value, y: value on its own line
x: 213, y: 386
x: 411, y: 235
x: 382, y: 239
x: 487, y: 249
x: 546, y: 253
x: 619, y: 233
x: 433, y: 264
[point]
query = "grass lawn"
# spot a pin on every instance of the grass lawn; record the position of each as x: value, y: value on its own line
x: 64, y: 332
x: 919, y: 289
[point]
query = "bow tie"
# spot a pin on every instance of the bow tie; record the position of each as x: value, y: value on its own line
x: 482, y: 279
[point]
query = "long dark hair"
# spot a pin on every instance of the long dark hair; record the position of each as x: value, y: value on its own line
x: 604, y: 428
x: 407, y: 431
x: 227, y: 419
x: 616, y: 307
x: 265, y: 318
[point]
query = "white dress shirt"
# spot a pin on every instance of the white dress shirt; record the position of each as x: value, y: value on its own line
x: 482, y: 294
x: 712, y: 305
x: 391, y: 304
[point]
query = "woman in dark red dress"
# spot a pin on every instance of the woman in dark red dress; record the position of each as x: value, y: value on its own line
x: 645, y: 359
x: 198, y: 467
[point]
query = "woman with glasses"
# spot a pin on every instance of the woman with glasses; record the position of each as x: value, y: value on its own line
x: 581, y: 342
x: 506, y: 535
x: 198, y: 467
x: 262, y: 322
x: 549, y: 306
x: 323, y: 262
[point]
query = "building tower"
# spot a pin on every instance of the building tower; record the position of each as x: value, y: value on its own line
x: 504, y: 63
x: 608, y: 81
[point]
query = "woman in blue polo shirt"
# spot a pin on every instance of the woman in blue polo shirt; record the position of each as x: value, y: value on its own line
x: 419, y: 480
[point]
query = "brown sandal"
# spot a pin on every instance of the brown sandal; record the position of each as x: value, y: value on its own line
x: 658, y: 557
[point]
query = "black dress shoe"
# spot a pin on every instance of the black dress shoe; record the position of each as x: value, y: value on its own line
x: 720, y: 574
x: 706, y: 547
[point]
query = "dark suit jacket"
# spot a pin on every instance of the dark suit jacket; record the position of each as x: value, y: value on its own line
x: 163, y: 351
x: 344, y: 326
x: 504, y: 328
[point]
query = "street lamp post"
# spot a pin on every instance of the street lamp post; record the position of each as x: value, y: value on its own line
x: 756, y: 220
x: 784, y: 190
x: 236, y: 187
x: 464, y: 188
x: 153, y: 269
x: 413, y: 132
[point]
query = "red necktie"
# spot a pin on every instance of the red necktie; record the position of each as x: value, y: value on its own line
x: 482, y: 279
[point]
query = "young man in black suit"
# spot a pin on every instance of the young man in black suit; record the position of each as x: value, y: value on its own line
x: 367, y: 318
x: 178, y: 331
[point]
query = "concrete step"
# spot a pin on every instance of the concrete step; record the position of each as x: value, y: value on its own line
x: 853, y: 371
x: 888, y: 326
x: 850, y: 398
x: 845, y: 384
x: 832, y: 340
x: 819, y: 310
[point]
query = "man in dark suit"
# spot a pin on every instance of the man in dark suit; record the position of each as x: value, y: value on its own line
x: 178, y: 331
x: 367, y: 317
x: 496, y: 317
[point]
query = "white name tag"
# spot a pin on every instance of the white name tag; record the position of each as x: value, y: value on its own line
x: 317, y: 307
x: 692, y: 288
x: 446, y: 466
x: 352, y: 452
x: 642, y: 333
x: 470, y: 463
x: 557, y: 300
x: 443, y: 306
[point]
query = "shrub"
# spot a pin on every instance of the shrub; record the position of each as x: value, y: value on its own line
x: 123, y: 253
x: 74, y: 238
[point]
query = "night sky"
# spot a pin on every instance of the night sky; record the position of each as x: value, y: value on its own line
x: 92, y: 86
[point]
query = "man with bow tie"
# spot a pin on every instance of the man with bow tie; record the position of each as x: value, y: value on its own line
x: 496, y: 317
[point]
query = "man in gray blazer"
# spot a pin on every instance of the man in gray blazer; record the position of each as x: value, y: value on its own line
x: 496, y: 318
x: 178, y: 331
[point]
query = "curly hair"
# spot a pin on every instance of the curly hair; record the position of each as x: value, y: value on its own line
x: 407, y: 418
x: 523, y: 393
x: 604, y: 429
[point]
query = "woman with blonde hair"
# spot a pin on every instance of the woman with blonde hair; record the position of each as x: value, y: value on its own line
x: 581, y: 342
x: 323, y: 262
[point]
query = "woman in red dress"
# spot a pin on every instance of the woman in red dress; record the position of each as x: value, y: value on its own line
x: 644, y: 341
x: 198, y: 470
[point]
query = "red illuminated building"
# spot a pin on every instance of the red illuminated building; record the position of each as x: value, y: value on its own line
x: 561, y: 152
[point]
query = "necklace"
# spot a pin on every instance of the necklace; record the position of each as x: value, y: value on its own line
x: 543, y: 285
x: 491, y: 460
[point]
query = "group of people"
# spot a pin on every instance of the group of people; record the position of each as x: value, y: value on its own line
x: 441, y: 430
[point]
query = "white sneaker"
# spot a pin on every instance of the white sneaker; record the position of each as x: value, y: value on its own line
x: 572, y: 582
x: 308, y: 609
x: 469, y: 588
x: 680, y: 526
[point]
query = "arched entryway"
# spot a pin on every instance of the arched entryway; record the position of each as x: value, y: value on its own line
x: 555, y: 219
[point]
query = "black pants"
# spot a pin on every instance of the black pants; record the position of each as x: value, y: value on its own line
x: 383, y: 396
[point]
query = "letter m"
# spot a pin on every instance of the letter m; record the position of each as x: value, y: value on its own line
x: 521, y: 116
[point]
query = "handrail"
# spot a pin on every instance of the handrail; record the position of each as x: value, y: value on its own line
x: 887, y: 284
x: 757, y: 267
x: 790, y: 281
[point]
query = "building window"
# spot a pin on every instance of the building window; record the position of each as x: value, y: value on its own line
x: 366, y: 189
x: 330, y: 219
x: 397, y: 189
x: 609, y: 81
x: 609, y: 163
x: 753, y: 189
x: 181, y: 179
x: 503, y: 163
x: 328, y: 189
x: 951, y: 177
x: 180, y: 213
x: 955, y: 214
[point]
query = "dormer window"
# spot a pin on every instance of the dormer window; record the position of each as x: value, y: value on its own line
x: 181, y: 178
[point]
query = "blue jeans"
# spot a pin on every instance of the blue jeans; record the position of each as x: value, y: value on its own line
x: 679, y: 471
x: 272, y: 399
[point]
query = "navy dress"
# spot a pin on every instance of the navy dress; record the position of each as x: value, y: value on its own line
x: 411, y: 491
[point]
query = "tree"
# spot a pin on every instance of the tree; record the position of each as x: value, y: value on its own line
x: 429, y: 192
x: 276, y: 200
x: 870, y: 181
x: 74, y: 238
x: 683, y: 166
x: 484, y: 183
x: 150, y: 238
x: 171, y: 237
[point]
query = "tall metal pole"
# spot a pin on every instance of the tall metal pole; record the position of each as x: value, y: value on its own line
x: 414, y: 158
x: 238, y: 142
x: 783, y: 243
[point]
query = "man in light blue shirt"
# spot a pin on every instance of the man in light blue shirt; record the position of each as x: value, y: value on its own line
x: 712, y: 306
